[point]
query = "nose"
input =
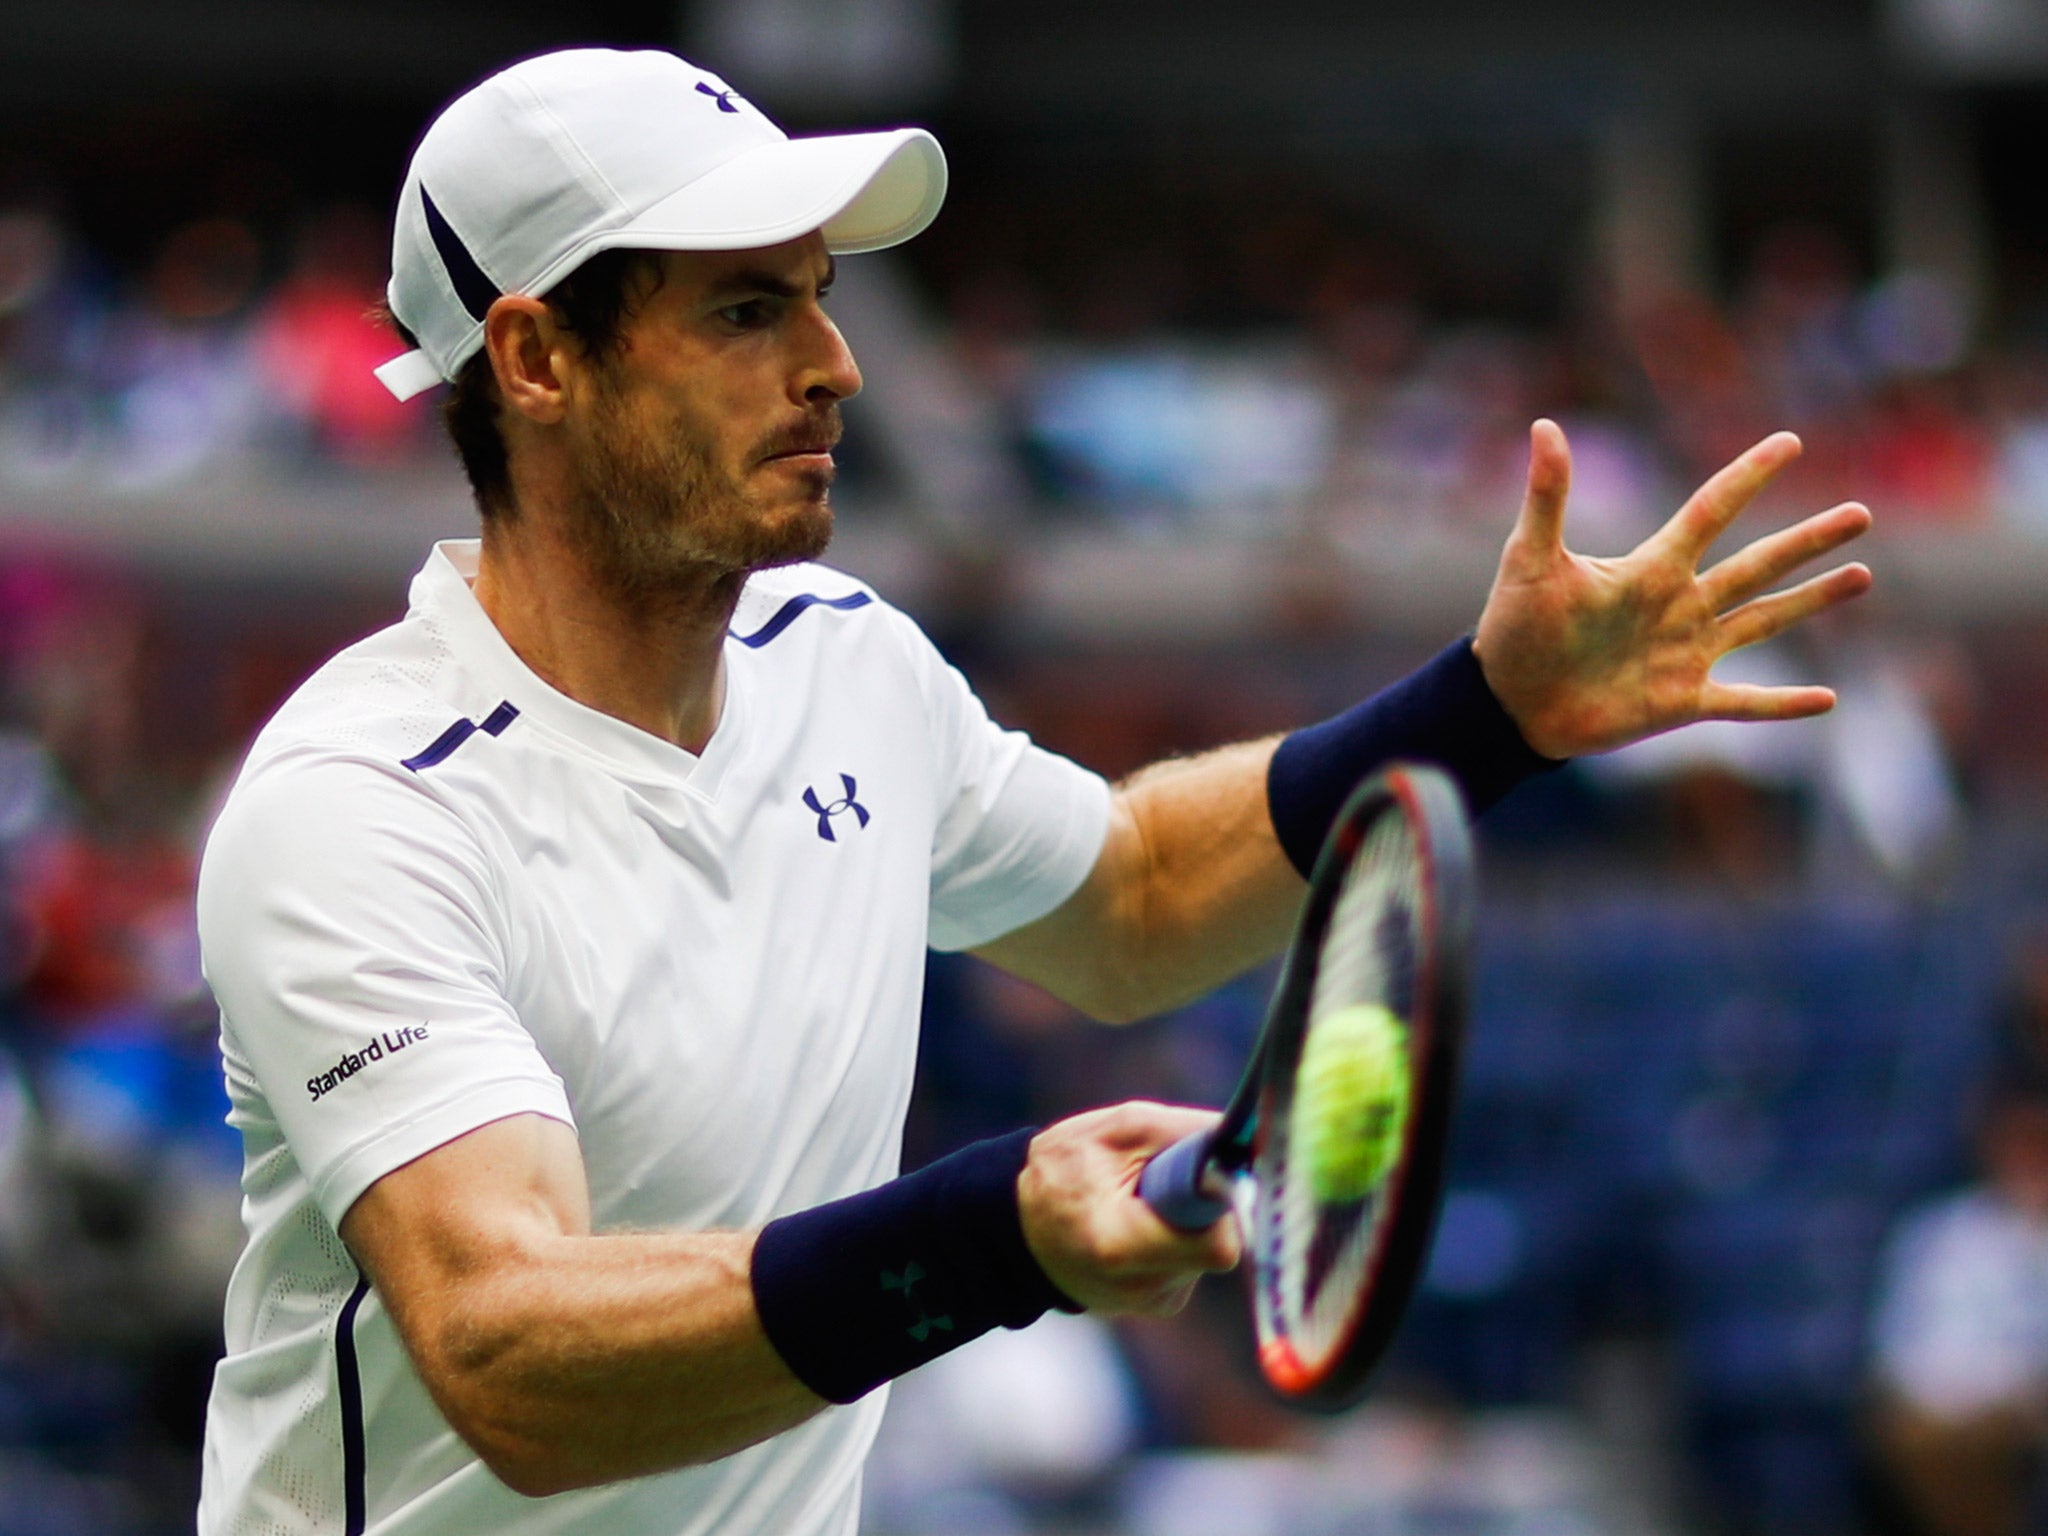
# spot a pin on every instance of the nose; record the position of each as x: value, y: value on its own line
x: 829, y: 372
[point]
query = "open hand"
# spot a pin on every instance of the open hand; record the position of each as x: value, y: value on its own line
x: 1589, y: 654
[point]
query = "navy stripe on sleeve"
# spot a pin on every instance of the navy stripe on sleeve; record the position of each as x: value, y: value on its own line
x: 786, y: 615
x: 443, y: 746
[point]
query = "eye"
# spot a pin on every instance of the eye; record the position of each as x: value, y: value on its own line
x: 745, y: 315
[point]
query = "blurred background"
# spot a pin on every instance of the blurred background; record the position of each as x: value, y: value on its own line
x: 1200, y: 413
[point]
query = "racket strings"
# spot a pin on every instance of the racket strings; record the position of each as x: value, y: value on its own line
x: 1368, y: 951
x: 1320, y: 1253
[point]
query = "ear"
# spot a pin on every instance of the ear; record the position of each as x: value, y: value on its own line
x: 528, y: 349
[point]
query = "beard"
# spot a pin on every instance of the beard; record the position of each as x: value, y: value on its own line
x: 655, y: 512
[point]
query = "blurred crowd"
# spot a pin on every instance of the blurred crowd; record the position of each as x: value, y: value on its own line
x: 1750, y: 1177
x: 217, y: 356
x: 1307, y: 373
x: 118, y: 1209
x: 1353, y: 399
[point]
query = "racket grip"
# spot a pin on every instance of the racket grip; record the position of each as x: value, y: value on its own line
x: 1172, y: 1185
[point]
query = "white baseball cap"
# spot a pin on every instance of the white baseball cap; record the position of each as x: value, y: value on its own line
x: 523, y: 178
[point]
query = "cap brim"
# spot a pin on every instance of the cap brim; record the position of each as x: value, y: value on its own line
x: 865, y: 191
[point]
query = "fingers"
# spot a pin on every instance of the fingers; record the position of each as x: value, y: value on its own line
x: 1144, y: 1128
x: 1766, y: 616
x: 1159, y: 1283
x: 1751, y: 701
x: 1711, y: 508
x: 1762, y: 564
x: 1541, y: 523
x: 1171, y: 1259
x: 1086, y: 1225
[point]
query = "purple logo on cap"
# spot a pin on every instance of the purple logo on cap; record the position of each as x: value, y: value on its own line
x: 723, y: 98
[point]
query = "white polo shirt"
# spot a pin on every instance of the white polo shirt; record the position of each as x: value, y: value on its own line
x: 442, y: 893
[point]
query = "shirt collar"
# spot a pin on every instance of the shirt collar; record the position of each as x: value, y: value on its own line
x: 441, y: 595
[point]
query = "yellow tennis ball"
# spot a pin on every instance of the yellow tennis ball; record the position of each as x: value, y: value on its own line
x: 1351, y: 1099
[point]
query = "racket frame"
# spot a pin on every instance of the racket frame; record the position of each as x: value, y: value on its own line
x: 1199, y: 1179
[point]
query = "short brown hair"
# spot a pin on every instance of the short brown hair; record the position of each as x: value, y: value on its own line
x: 594, y: 302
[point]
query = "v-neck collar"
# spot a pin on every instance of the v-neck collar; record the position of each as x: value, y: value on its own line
x: 441, y: 593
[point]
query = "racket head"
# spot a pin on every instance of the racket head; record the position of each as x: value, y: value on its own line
x: 1387, y: 922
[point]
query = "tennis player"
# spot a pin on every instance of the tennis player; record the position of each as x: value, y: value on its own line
x: 569, y: 934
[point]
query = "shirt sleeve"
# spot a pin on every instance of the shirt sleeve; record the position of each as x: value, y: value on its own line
x: 353, y: 936
x: 1018, y: 827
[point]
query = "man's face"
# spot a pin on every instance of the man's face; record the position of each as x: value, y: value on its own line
x: 705, y: 442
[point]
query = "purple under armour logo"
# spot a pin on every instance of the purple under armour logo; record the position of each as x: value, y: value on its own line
x: 838, y: 807
x: 723, y: 98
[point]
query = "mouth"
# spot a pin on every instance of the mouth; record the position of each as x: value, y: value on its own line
x: 807, y: 447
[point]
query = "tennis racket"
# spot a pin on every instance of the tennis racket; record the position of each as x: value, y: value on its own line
x: 1335, y: 1233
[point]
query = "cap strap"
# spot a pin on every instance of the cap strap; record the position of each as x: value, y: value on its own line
x: 408, y: 373
x: 471, y: 286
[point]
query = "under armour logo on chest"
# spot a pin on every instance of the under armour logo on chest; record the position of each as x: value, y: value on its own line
x: 723, y: 98
x: 845, y: 803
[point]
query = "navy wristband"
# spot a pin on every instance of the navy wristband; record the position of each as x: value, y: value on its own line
x: 1442, y: 713
x: 861, y: 1290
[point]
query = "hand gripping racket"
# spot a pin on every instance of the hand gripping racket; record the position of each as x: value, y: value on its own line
x: 1331, y: 1150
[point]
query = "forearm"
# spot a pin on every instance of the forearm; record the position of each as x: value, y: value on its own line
x: 1230, y: 837
x: 1217, y: 895
x: 1203, y: 868
x: 1191, y: 888
x: 565, y: 1359
x: 575, y: 1360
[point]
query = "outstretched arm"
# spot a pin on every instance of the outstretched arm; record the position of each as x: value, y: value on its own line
x: 1193, y: 885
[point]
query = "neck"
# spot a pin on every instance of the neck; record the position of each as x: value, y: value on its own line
x: 653, y: 661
